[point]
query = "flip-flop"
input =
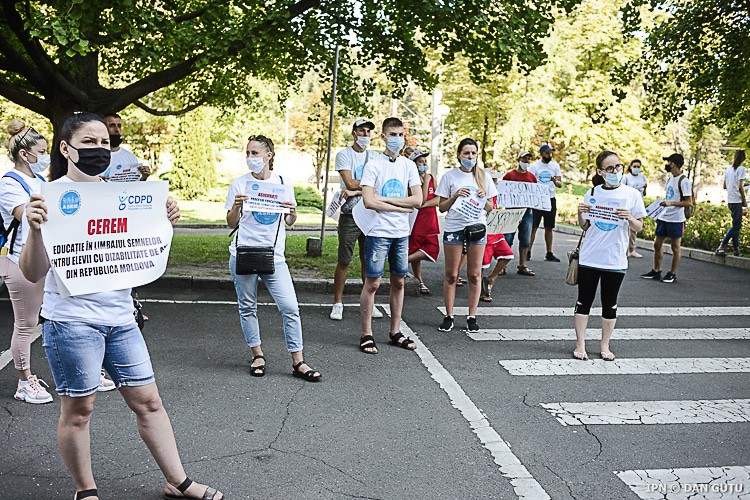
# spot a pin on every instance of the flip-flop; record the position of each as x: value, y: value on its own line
x: 581, y: 356
x: 607, y: 356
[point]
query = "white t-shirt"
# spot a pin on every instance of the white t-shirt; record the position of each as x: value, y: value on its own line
x: 637, y: 182
x: 732, y: 179
x: 606, y: 245
x: 258, y: 229
x: 120, y: 158
x: 390, y: 180
x: 544, y: 173
x: 12, y: 195
x: 348, y: 159
x: 672, y: 193
x: 114, y: 308
x: 466, y: 210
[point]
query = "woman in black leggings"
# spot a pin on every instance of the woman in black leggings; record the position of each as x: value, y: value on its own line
x: 608, y: 212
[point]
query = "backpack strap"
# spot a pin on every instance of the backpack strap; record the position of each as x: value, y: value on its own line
x: 15, y: 223
x: 15, y: 176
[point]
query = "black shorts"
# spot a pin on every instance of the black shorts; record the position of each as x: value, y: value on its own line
x: 548, y: 216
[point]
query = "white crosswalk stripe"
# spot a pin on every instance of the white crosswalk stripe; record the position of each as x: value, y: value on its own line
x: 651, y: 412
x: 631, y: 366
x: 689, y: 483
x: 596, y: 311
x: 621, y: 334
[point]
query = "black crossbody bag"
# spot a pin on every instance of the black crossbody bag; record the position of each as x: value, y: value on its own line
x: 256, y: 260
x: 472, y: 234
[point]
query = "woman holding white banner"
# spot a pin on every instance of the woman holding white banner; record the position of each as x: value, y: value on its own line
x: 609, y: 211
x: 82, y: 333
x: 260, y: 228
x: 466, y: 194
x: 28, y: 151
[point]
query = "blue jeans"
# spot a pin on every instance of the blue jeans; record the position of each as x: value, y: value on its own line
x: 524, y: 231
x: 281, y: 288
x: 76, y: 353
x: 734, y: 232
x: 376, y: 251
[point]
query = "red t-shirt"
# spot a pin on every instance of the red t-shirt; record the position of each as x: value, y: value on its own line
x: 426, y: 222
x: 515, y: 175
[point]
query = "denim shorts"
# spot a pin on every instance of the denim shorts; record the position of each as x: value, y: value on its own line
x: 395, y: 249
x: 524, y: 231
x: 78, y: 351
x: 457, y: 238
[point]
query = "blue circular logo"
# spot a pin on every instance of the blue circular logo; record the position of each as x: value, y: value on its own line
x: 255, y: 186
x: 358, y: 171
x: 544, y: 177
x: 393, y: 189
x: 265, y: 218
x: 593, y: 200
x: 605, y: 226
x: 670, y: 193
x: 70, y: 202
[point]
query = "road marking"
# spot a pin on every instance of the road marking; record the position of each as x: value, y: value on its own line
x: 621, y: 333
x: 696, y: 483
x: 597, y: 311
x: 632, y: 366
x: 234, y: 303
x: 651, y: 412
x: 524, y: 484
x: 7, y: 356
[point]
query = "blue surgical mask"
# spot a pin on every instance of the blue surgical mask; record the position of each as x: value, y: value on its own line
x: 363, y: 141
x: 255, y: 164
x: 395, y: 144
x: 422, y: 169
x: 468, y: 164
x: 636, y: 170
x: 42, y: 162
x: 613, y: 179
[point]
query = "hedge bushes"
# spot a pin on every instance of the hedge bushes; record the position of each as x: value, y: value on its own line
x: 704, y: 230
x: 308, y: 197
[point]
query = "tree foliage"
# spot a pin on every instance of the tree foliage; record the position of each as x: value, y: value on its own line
x: 696, y: 52
x: 59, y: 56
x: 193, y: 173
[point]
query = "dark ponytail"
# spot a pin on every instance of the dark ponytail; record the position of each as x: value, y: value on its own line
x: 58, y: 163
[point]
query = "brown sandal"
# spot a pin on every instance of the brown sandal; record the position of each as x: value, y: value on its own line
x: 525, y: 271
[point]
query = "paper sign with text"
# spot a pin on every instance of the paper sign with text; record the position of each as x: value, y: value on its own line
x: 602, y: 212
x: 504, y: 221
x: 267, y: 197
x: 470, y: 207
x: 125, y: 173
x: 655, y: 209
x: 512, y: 194
x: 103, y: 236
x: 334, y: 208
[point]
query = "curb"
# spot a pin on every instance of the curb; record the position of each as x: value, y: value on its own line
x: 690, y: 253
x: 320, y: 286
x: 218, y: 225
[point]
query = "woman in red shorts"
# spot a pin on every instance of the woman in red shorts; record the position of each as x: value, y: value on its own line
x: 423, y: 240
x: 497, y: 248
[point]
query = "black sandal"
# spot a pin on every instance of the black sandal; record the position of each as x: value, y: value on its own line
x: 309, y: 375
x: 367, y: 342
x: 209, y: 494
x: 399, y: 340
x: 258, y: 371
x: 80, y: 495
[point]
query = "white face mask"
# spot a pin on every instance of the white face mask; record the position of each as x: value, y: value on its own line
x: 636, y: 170
x: 255, y: 164
x: 523, y: 165
x: 363, y: 141
x: 42, y: 162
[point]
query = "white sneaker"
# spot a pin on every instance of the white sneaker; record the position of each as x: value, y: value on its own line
x: 376, y: 312
x: 32, y: 391
x: 337, y: 312
x: 105, y: 384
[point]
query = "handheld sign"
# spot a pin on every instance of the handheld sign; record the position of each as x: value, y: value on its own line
x: 504, y: 221
x: 512, y: 194
x: 655, y: 209
x: 602, y: 213
x: 267, y: 197
x: 103, y: 236
x: 125, y: 173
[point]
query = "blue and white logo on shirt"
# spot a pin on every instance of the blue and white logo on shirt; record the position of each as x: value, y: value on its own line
x: 670, y: 193
x: 70, y: 202
x: 358, y: 171
x: 605, y: 226
x: 393, y: 188
x: 544, y: 177
x: 265, y: 218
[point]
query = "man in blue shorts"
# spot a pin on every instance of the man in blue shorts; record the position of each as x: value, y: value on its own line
x: 670, y: 223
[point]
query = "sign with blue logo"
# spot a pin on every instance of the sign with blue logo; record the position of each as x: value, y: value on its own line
x: 603, y: 213
x: 70, y: 202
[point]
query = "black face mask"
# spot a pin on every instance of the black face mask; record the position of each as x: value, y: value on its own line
x: 115, y: 140
x: 668, y: 168
x: 92, y: 161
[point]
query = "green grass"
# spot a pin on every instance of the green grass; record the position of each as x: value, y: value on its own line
x: 211, y: 251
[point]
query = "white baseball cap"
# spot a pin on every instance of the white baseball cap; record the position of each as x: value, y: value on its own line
x: 361, y: 121
x: 417, y: 154
x: 521, y: 154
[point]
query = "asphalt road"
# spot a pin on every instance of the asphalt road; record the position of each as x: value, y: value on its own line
x: 449, y: 421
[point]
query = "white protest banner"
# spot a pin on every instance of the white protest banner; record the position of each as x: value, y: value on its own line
x: 504, y: 221
x: 103, y: 236
x: 655, y: 209
x: 602, y: 211
x: 267, y: 197
x: 125, y: 173
x: 469, y: 207
x: 512, y: 194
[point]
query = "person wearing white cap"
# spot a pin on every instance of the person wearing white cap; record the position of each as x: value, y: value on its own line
x: 350, y: 163
x: 547, y: 171
x: 423, y: 240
